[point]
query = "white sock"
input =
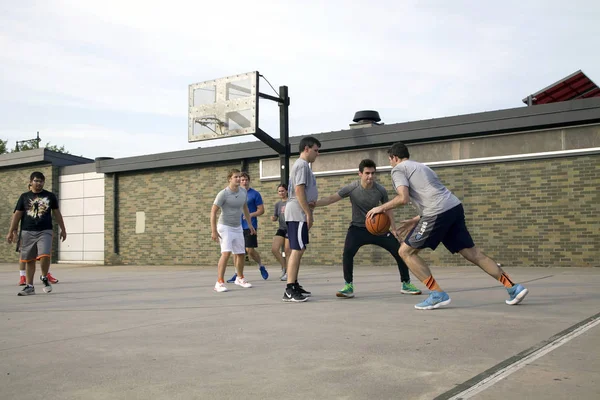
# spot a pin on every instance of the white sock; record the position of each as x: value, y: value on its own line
x: 21, y: 273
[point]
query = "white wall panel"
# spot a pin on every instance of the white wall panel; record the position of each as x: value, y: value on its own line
x: 93, y: 188
x: 93, y: 223
x: 93, y: 242
x: 73, y: 224
x: 93, y: 206
x: 71, y: 190
x: 74, y: 242
x: 71, y: 207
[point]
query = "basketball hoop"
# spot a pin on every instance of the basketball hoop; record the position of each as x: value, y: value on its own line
x: 208, y: 121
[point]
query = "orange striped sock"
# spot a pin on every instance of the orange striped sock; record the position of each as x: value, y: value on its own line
x: 432, y: 284
x: 241, y: 276
x: 220, y: 281
x: 505, y: 280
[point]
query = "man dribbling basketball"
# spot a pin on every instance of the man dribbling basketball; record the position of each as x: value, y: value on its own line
x: 364, y: 195
x: 441, y: 219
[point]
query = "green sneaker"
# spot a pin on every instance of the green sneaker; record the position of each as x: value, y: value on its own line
x: 409, y: 288
x: 347, y: 291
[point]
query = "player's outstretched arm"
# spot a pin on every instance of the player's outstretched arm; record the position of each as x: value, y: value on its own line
x: 325, y: 201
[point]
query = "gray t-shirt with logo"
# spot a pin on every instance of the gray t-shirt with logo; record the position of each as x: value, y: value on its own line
x: 301, y: 174
x: 363, y: 200
x: 231, y: 204
x: 426, y: 191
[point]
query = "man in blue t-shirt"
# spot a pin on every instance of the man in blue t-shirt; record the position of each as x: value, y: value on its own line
x: 256, y: 208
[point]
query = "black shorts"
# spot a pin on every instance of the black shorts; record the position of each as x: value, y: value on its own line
x: 298, y: 234
x: 282, y: 233
x: 250, y: 241
x: 448, y: 228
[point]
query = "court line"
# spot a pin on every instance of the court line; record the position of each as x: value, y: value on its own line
x: 500, y: 371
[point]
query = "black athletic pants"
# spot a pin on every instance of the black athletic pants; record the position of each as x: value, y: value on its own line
x: 358, y: 237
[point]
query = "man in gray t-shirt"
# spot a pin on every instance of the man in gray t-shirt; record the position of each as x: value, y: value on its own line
x: 302, y: 191
x: 365, y: 194
x: 228, y: 230
x: 441, y: 219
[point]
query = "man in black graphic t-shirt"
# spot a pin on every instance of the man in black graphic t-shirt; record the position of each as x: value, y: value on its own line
x: 34, y: 211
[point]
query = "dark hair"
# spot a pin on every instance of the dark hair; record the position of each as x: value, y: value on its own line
x: 366, y: 163
x: 283, y: 185
x: 231, y: 172
x: 245, y: 175
x: 38, y: 175
x: 308, y: 141
x: 399, y: 150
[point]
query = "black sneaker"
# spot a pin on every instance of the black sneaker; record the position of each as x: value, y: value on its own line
x: 27, y: 291
x: 303, y: 292
x: 291, y: 295
x: 47, y: 285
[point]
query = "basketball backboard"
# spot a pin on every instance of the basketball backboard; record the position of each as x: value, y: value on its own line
x: 223, y: 107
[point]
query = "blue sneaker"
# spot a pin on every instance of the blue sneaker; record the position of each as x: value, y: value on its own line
x: 233, y: 278
x: 263, y: 272
x: 435, y: 300
x: 517, y: 293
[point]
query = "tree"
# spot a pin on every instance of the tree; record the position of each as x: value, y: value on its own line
x: 29, y: 145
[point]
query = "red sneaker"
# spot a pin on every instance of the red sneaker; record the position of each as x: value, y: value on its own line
x: 51, y: 279
x: 22, y: 281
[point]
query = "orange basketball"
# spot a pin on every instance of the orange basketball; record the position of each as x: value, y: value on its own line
x: 379, y: 224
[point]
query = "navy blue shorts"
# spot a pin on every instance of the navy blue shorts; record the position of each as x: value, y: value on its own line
x: 297, y: 234
x: 448, y: 228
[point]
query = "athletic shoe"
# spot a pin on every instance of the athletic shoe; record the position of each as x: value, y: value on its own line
x: 263, y: 272
x: 220, y: 287
x: 517, y: 293
x: 243, y: 282
x: 27, y: 291
x: 22, y: 281
x: 233, y: 278
x: 347, y: 291
x: 303, y: 292
x: 47, y: 285
x: 293, y: 296
x: 435, y: 300
x: 52, y: 279
x: 283, y: 276
x: 409, y: 288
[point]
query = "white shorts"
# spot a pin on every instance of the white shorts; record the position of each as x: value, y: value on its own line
x: 232, y: 239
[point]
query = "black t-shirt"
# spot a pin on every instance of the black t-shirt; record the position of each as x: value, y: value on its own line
x: 37, y: 207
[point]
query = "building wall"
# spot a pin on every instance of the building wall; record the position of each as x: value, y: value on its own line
x: 82, y: 207
x: 13, y: 182
x: 535, y: 213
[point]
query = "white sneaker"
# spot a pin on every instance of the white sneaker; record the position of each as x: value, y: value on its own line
x: 283, y: 276
x: 220, y: 287
x: 242, y: 282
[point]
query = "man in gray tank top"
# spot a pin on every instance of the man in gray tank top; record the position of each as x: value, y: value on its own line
x: 365, y: 194
x: 441, y: 219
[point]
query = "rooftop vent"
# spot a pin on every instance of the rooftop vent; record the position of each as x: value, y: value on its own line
x: 365, y: 119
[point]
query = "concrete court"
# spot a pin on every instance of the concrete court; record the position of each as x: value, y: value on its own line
x: 130, y: 332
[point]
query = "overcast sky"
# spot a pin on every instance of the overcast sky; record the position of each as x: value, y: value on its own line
x: 110, y: 78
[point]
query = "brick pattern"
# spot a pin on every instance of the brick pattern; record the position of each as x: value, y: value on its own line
x: 13, y: 182
x: 526, y: 213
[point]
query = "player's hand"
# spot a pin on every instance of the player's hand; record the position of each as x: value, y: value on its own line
x: 309, y: 220
x: 215, y: 236
x: 63, y: 235
x: 312, y: 205
x: 373, y: 211
x: 405, y: 227
x: 9, y: 237
x: 252, y: 230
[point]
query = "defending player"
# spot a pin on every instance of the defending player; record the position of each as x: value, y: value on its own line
x: 365, y: 194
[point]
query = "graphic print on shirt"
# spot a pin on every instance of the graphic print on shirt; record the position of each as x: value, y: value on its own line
x: 38, y: 207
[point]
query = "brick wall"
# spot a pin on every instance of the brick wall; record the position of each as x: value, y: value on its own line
x: 13, y: 182
x: 526, y: 213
